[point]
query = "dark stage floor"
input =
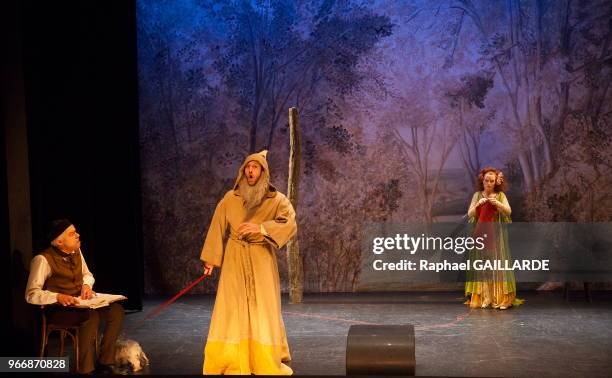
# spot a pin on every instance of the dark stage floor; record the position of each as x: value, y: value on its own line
x: 545, y: 337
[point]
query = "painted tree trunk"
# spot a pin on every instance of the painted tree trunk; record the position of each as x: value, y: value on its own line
x: 526, y: 169
x: 294, y: 261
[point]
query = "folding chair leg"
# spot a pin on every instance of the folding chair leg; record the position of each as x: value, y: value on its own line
x: 43, y: 343
x: 587, y: 292
x: 62, y: 337
x: 76, y: 351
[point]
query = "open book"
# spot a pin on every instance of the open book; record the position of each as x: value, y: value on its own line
x: 100, y: 300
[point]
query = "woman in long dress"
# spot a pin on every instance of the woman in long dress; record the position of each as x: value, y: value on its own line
x: 489, y: 211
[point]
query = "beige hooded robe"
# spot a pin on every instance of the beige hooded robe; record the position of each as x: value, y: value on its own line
x: 247, y: 334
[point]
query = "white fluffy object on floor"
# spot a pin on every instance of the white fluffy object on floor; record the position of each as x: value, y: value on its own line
x: 129, y: 353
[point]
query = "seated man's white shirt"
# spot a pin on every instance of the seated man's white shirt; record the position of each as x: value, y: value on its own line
x: 40, y: 271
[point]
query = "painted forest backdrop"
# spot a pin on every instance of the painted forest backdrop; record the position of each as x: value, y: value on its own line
x: 401, y: 103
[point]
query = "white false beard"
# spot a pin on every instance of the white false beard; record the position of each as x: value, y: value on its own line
x: 253, y: 195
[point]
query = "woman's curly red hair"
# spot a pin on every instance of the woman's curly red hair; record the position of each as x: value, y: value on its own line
x: 500, y: 184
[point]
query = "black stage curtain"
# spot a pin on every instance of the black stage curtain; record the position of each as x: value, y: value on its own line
x: 5, y: 257
x: 81, y: 86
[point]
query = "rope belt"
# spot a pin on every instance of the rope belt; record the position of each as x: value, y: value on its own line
x: 247, y: 264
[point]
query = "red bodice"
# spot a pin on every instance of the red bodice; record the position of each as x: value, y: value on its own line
x: 486, y: 215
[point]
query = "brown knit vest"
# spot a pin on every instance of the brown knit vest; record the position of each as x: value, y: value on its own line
x: 66, y: 271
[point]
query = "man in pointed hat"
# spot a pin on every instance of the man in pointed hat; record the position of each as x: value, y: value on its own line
x: 247, y: 334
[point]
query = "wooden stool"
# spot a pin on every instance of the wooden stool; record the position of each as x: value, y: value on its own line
x: 64, y: 330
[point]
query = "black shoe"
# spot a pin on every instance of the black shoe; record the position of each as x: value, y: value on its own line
x: 105, y: 369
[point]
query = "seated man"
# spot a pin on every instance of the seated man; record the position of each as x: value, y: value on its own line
x: 59, y: 277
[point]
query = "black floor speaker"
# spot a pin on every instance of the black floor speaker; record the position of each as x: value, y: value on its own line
x: 380, y: 350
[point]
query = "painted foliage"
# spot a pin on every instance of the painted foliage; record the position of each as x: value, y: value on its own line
x: 401, y: 103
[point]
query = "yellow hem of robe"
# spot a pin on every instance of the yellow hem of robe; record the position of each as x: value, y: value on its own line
x: 245, y: 357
